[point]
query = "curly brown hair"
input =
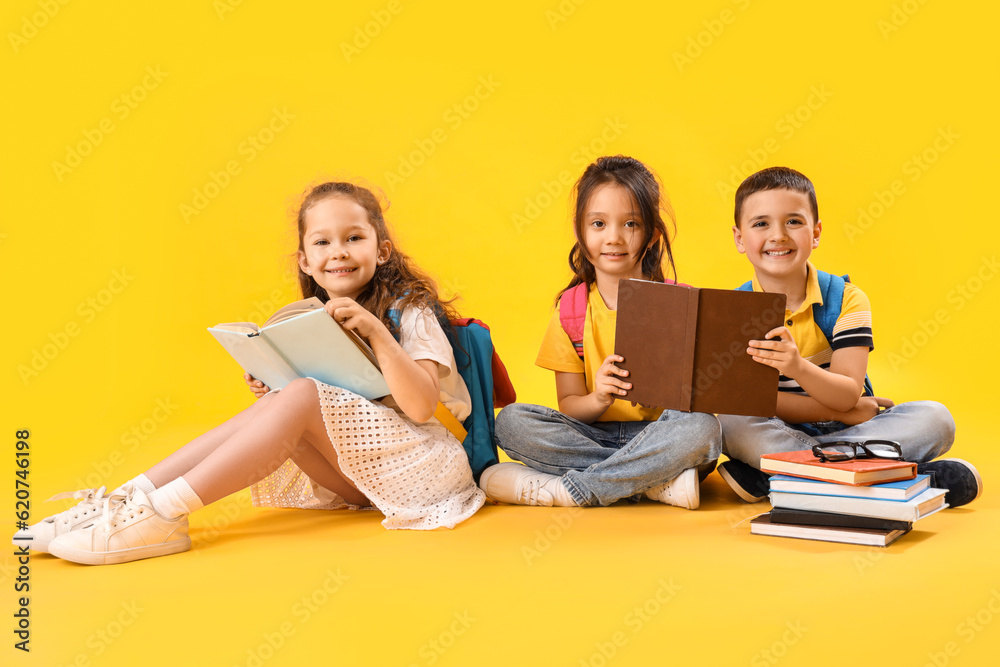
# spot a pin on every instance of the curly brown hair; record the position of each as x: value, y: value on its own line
x: 397, y: 282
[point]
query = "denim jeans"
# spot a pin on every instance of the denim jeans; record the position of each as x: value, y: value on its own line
x: 603, y: 462
x: 924, y: 429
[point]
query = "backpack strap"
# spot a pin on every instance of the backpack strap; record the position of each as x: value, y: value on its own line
x: 573, y: 314
x: 831, y: 287
x: 826, y: 314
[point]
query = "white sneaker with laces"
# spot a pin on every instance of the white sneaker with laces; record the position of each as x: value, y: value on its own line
x: 38, y: 535
x: 681, y: 491
x: 128, y: 530
x: 517, y: 484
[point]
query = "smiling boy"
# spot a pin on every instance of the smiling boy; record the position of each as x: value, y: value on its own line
x: 822, y: 396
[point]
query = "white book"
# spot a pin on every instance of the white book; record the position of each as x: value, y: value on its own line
x: 302, y: 340
x: 875, y: 537
x: 925, y: 504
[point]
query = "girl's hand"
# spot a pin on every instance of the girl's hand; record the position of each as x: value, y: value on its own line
x: 256, y: 386
x: 607, y: 385
x: 352, y: 316
x: 778, y: 351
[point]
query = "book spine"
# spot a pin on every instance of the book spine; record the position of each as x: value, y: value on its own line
x: 690, y: 339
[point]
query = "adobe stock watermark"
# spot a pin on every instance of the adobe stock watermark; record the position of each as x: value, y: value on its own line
x: 433, y: 649
x: 247, y: 151
x: 634, y: 621
x: 224, y: 7
x: 302, y: 610
x: 780, y: 647
x: 550, y: 190
x: 958, y: 298
x: 971, y: 627
x: 786, y: 127
x: 900, y: 15
x: 561, y: 12
x: 87, y: 311
x: 913, y: 169
x: 131, y: 439
x: 561, y: 522
x: 371, y: 30
x: 121, y: 108
x: 453, y: 117
x: 101, y: 639
x: 696, y: 45
x: 33, y: 23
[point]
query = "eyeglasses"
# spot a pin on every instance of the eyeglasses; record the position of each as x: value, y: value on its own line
x: 845, y: 451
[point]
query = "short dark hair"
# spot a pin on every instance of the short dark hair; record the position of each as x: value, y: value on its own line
x: 776, y: 178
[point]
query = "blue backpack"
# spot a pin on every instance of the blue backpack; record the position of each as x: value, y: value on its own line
x: 488, y: 383
x: 831, y: 288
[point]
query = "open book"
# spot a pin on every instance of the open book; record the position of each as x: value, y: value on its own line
x: 685, y: 347
x: 302, y: 340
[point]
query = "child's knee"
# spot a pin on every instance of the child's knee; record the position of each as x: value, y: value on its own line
x: 512, y: 419
x: 300, y: 392
x: 935, y: 418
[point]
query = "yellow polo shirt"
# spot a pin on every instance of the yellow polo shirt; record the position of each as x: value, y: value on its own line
x: 557, y: 354
x: 853, y: 328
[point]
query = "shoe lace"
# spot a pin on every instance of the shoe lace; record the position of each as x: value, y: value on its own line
x: 90, y: 500
x: 119, y: 505
x: 529, y: 493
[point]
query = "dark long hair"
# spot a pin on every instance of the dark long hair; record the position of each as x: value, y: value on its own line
x: 651, y: 205
x: 397, y: 282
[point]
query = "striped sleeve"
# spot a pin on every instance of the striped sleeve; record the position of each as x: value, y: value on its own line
x: 854, y: 327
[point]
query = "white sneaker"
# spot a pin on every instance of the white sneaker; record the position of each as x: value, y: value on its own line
x: 517, y: 484
x: 681, y: 491
x: 126, y: 531
x: 38, y: 535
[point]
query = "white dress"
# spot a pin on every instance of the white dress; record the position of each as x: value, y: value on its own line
x: 417, y: 475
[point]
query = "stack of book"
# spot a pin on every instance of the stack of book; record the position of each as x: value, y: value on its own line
x: 863, y: 501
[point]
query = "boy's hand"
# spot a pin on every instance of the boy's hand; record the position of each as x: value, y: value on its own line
x: 607, y: 385
x: 350, y: 315
x: 256, y: 386
x: 779, y: 351
x: 867, y: 407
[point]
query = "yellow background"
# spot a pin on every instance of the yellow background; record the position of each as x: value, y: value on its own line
x: 474, y: 120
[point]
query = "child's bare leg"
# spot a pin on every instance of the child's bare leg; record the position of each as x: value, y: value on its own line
x: 286, y: 427
x: 195, y: 451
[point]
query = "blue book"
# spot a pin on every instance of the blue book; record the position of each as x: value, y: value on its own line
x: 302, y: 340
x: 899, y: 491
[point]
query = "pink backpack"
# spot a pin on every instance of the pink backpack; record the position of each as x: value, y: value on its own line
x: 573, y: 312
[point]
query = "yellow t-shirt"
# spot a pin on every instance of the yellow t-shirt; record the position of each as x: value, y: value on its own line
x: 557, y: 354
x: 853, y: 328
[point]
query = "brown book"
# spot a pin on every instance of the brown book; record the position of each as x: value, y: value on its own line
x: 685, y: 347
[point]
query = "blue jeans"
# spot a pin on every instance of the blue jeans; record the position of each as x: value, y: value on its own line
x: 924, y: 429
x: 603, y: 462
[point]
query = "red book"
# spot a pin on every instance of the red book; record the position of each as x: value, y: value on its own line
x: 856, y: 472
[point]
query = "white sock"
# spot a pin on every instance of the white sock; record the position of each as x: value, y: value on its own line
x: 140, y: 481
x: 175, y: 499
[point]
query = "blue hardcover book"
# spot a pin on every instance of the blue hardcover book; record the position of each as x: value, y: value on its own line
x: 899, y: 491
x: 302, y: 340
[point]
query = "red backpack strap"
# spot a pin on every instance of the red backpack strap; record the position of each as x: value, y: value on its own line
x: 573, y: 314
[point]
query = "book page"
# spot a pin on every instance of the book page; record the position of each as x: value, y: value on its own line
x: 294, y: 309
x: 238, y: 327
